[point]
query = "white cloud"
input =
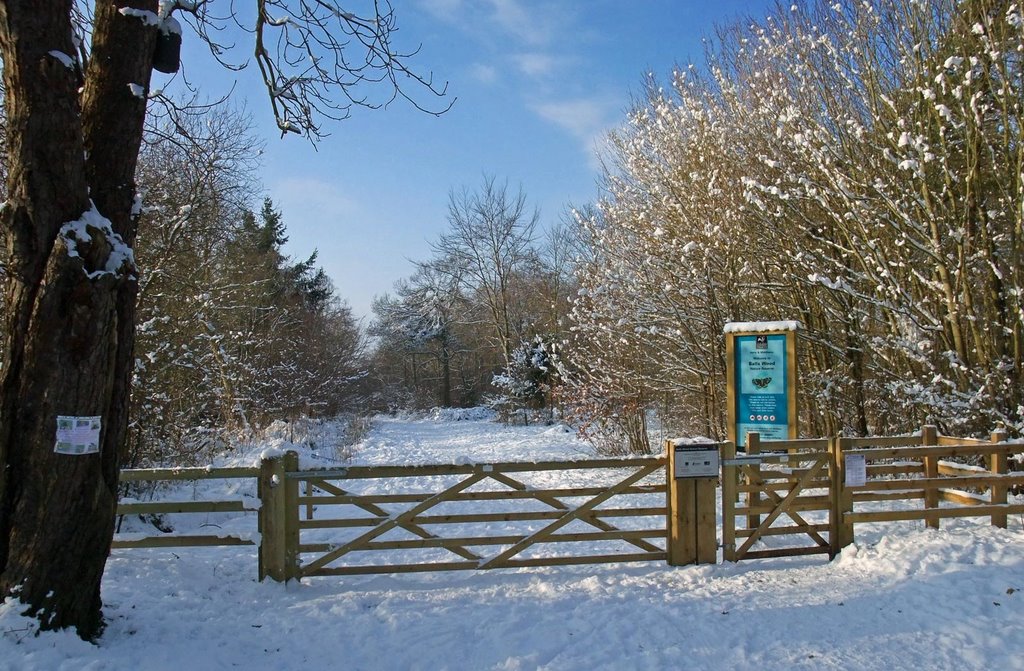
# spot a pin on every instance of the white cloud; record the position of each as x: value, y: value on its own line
x: 587, y: 119
x: 524, y: 33
x: 312, y: 199
x: 528, y: 26
x: 530, y: 23
x: 582, y: 117
x: 536, y: 64
x: 448, y: 10
x: 485, y: 74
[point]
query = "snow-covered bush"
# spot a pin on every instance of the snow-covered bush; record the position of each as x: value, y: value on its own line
x: 527, y: 382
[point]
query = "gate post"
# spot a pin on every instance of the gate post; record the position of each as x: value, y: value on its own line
x: 930, y: 436
x: 730, y: 496
x: 999, y: 464
x: 692, y: 474
x: 840, y: 531
x: 753, y: 448
x: 278, y: 518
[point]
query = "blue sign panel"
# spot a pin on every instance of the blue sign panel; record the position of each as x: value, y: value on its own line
x: 762, y: 401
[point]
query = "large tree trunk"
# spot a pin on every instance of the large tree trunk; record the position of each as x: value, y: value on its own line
x: 69, y: 329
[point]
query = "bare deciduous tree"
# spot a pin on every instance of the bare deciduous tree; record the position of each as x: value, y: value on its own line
x: 489, y: 243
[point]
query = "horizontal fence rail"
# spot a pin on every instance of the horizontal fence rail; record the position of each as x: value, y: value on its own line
x: 195, y: 506
x: 920, y: 469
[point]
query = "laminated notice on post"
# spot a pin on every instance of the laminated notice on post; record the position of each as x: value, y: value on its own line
x: 77, y: 435
x: 856, y: 470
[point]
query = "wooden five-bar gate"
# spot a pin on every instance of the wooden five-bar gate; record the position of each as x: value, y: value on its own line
x: 392, y: 519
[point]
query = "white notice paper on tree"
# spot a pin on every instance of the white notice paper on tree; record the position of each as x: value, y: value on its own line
x: 856, y: 470
x: 77, y: 435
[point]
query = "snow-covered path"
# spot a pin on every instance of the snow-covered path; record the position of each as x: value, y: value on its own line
x: 911, y: 598
x: 465, y: 435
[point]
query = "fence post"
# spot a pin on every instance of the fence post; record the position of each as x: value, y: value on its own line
x: 291, y: 520
x: 998, y: 464
x: 730, y: 494
x: 930, y: 436
x: 681, y: 544
x: 754, y: 496
x: 841, y: 531
x: 278, y: 518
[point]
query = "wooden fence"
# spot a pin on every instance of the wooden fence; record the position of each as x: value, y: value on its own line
x: 903, y: 470
x: 193, y: 506
x: 775, y: 484
x: 778, y: 499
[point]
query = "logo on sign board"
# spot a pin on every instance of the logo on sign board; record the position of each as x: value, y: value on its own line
x: 761, y: 342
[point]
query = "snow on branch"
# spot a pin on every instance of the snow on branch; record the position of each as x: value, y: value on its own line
x: 759, y: 327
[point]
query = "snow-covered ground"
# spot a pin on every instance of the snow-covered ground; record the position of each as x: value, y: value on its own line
x: 902, y: 597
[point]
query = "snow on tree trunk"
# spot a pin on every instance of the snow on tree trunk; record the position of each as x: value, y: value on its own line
x: 70, y: 292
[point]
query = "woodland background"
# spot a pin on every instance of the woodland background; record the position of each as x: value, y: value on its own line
x: 854, y: 166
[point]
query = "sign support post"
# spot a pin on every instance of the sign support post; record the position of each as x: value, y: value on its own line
x: 692, y: 479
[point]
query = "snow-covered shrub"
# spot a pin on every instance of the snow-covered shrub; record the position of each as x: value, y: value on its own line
x: 855, y: 166
x: 527, y: 382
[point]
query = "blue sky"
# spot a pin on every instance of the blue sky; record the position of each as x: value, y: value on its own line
x: 538, y: 83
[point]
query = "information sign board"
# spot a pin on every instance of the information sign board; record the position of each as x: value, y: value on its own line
x: 762, y: 389
x: 696, y: 461
x: 77, y: 435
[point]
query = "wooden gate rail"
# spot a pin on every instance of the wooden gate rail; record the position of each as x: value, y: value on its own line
x: 377, y: 472
x: 369, y: 506
x: 130, y: 507
x: 326, y: 491
x: 469, y: 518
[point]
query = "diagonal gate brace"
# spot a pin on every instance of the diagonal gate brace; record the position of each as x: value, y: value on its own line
x: 570, y: 515
x: 792, y: 514
x: 558, y: 504
x: 391, y: 523
x: 412, y: 528
x: 781, y: 507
